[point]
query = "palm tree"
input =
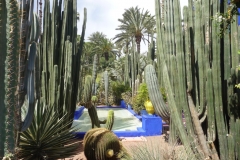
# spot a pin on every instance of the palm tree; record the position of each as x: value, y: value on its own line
x: 123, y: 40
x: 134, y: 25
x: 103, y: 45
x: 97, y: 37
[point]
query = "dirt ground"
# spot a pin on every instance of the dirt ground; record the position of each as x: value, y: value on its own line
x: 156, y: 143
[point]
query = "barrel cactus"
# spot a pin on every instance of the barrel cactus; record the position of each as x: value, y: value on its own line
x: 103, y: 144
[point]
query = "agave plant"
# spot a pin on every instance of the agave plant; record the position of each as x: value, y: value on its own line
x: 48, y: 137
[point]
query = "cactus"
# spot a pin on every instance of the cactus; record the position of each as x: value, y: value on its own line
x: 94, y: 74
x: 106, y: 85
x: 102, y: 144
x: 88, y: 103
x: 59, y: 57
x: 193, y: 65
x: 9, y: 38
x: 56, y: 68
x: 30, y: 86
x: 86, y: 98
x: 110, y: 120
x: 136, y: 87
x: 155, y: 94
x: 93, y: 116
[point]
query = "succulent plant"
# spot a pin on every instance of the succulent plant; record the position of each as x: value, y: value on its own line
x: 197, y: 68
x: 155, y: 94
x: 9, y: 42
x: 110, y: 120
x: 48, y: 137
x: 103, y: 144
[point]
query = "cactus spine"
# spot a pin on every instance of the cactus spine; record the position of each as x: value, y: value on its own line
x: 106, y: 85
x: 102, y: 144
x: 110, y: 120
x: 59, y: 56
x: 94, y: 74
x: 9, y: 23
x: 206, y: 75
x: 155, y: 94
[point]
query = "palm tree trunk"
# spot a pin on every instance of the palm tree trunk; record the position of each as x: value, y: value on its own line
x: 138, y: 42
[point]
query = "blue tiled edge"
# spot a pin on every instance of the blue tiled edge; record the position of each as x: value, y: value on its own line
x: 78, y: 113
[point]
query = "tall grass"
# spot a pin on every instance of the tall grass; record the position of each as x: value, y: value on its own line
x: 159, y: 150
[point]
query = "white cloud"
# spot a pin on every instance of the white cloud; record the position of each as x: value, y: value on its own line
x: 103, y: 15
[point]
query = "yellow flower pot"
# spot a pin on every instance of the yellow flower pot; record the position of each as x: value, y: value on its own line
x: 149, y: 107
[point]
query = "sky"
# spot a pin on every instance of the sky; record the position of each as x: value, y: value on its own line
x: 103, y: 15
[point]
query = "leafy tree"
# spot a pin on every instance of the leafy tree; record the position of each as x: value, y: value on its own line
x: 103, y: 46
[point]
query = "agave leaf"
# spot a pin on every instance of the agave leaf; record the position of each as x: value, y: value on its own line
x: 48, y: 137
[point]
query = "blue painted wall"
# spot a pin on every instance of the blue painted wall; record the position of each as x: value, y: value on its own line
x: 151, y: 124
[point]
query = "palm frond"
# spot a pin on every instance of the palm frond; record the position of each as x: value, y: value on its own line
x: 135, y: 24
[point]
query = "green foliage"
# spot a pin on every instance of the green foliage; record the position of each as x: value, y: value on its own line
x: 103, y: 63
x: 127, y: 97
x: 164, y: 94
x: 117, y: 89
x: 140, y: 98
x: 134, y: 25
x: 226, y: 19
x: 102, y: 45
x: 48, y: 137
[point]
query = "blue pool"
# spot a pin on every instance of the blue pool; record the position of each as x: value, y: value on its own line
x: 126, y: 122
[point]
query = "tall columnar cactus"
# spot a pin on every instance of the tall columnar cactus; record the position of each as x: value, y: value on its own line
x: 59, y: 56
x: 137, y: 83
x: 9, y: 35
x: 87, y: 92
x: 106, y: 85
x: 92, y: 111
x: 102, y: 144
x: 3, y: 40
x: 127, y: 69
x: 110, y: 120
x: 94, y: 74
x: 197, y: 68
x: 30, y: 80
x: 154, y: 93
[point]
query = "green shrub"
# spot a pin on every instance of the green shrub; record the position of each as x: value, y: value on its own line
x: 164, y: 95
x: 127, y: 97
x: 117, y: 89
x: 139, y: 99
